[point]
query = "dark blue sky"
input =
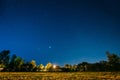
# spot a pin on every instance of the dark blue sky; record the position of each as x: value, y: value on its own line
x: 60, y: 31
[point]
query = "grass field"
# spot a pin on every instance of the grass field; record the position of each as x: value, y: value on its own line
x: 59, y: 76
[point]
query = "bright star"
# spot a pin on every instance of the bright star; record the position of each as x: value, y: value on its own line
x: 49, y: 47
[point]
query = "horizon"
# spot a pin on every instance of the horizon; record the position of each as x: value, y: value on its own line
x: 97, y: 61
x: 60, y: 31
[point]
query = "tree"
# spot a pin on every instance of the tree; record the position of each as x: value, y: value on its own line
x: 32, y: 66
x: 2, y: 66
x: 29, y: 66
x: 74, y: 68
x: 67, y: 68
x: 113, y: 61
x: 33, y: 62
x: 16, y: 63
x: 103, y: 65
x: 82, y: 66
x: 25, y: 67
x: 48, y: 67
x: 56, y: 68
x: 40, y: 67
x: 4, y: 59
x: 12, y: 66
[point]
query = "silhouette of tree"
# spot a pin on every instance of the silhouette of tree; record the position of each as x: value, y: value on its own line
x: 16, y: 63
x: 103, y: 65
x: 12, y: 66
x: 67, y: 68
x: 74, y: 68
x: 82, y: 66
x: 31, y: 66
x: 4, y: 57
x: 113, y: 61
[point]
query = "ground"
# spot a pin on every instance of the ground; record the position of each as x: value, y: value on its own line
x: 59, y: 75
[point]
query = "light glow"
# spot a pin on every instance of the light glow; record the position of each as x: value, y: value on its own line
x: 54, y: 66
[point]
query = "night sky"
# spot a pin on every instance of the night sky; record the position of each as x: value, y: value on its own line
x: 60, y: 31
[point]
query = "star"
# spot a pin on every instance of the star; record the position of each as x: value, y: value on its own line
x: 49, y: 47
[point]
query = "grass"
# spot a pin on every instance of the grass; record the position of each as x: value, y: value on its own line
x: 59, y: 75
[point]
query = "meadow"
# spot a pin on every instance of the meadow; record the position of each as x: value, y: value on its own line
x: 59, y: 75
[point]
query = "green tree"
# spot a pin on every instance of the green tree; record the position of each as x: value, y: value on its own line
x: 40, y: 67
x: 49, y: 67
x: 33, y: 62
x: 16, y: 63
x: 32, y: 66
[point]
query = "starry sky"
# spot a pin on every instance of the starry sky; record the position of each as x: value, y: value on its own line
x: 60, y: 31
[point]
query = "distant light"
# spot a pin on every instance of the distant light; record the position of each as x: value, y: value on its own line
x: 54, y: 66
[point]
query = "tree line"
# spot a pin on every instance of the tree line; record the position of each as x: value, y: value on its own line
x: 17, y: 64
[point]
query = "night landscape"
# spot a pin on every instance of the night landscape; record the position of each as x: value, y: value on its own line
x: 59, y: 40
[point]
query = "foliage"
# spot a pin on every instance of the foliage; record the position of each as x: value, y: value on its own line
x: 4, y: 57
x: 14, y: 63
x: 48, y: 67
x: 40, y: 67
x: 113, y: 62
